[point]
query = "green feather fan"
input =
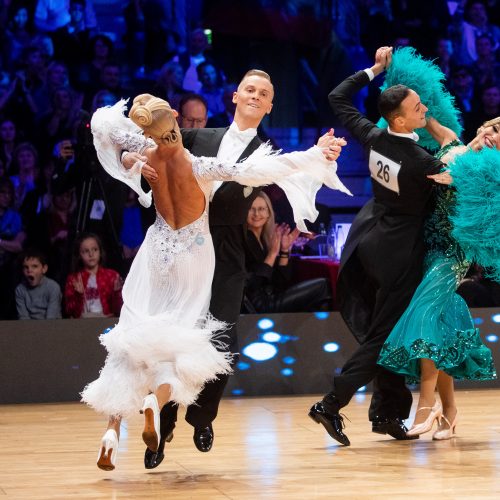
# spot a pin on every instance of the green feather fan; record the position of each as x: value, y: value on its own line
x: 426, y: 79
x: 476, y: 221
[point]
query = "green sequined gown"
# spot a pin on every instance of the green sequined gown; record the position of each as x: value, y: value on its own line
x: 437, y: 323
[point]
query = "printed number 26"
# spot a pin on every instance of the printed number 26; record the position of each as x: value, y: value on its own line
x: 383, y: 172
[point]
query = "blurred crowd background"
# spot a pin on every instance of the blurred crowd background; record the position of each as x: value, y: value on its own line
x: 62, y: 59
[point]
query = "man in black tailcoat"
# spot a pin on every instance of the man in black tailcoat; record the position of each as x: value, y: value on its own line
x: 228, y: 211
x: 382, y: 261
x: 229, y: 207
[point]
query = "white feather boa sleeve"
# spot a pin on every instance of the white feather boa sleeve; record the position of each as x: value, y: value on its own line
x: 113, y: 133
x: 300, y: 174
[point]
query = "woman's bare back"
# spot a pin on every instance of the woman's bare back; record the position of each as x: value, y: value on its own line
x: 177, y: 196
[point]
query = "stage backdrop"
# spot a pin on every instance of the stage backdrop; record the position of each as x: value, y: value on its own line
x: 281, y: 354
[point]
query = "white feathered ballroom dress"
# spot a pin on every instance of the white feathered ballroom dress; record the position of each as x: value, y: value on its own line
x: 165, y: 334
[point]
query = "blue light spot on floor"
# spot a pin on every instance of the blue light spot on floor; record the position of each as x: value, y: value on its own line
x: 260, y: 351
x: 271, y: 337
x: 321, y: 315
x: 265, y: 323
x: 331, y: 347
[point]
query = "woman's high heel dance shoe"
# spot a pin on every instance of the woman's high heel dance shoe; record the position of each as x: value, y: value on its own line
x: 446, y: 430
x: 151, y: 433
x: 426, y: 425
x: 106, y: 459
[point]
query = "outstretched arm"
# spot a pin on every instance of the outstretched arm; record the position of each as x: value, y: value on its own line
x: 300, y: 174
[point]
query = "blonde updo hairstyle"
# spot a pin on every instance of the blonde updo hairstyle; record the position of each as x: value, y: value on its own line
x: 156, y: 118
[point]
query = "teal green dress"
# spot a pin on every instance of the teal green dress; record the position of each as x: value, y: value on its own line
x: 437, y: 324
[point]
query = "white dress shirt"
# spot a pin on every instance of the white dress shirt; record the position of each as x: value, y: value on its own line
x: 234, y: 142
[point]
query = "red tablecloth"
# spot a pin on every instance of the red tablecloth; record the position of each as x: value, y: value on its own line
x: 306, y: 269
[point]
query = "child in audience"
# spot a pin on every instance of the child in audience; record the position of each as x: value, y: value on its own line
x: 37, y: 297
x: 92, y: 290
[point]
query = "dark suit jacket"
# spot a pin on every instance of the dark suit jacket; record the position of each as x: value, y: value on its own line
x: 227, y: 213
x: 394, y: 219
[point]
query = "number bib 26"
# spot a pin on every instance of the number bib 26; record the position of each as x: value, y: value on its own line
x: 384, y: 170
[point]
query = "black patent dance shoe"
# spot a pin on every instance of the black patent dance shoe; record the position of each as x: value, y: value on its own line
x: 332, y: 421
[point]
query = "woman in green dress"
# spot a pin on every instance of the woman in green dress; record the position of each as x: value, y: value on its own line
x: 435, y: 340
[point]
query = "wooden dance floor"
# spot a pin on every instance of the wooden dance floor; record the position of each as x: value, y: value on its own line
x: 265, y: 448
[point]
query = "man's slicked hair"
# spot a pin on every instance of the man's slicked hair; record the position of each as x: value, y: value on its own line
x: 257, y: 72
x: 389, y: 101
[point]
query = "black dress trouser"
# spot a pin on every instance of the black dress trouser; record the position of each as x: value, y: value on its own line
x: 392, y: 291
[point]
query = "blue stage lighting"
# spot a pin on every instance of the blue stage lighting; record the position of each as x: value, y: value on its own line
x: 496, y: 318
x: 241, y: 365
x: 237, y: 392
x: 287, y: 372
x: 331, y: 347
x: 478, y: 321
x: 492, y: 338
x: 289, y: 360
x: 265, y: 323
x: 260, y: 351
x: 271, y: 337
x: 321, y: 315
x: 362, y: 389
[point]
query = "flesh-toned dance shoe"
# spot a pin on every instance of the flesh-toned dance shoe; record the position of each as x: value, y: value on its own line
x: 446, y: 430
x: 154, y: 459
x: 426, y: 425
x: 151, y: 432
x: 106, y: 458
x: 203, y: 438
x: 326, y: 412
x: 395, y: 427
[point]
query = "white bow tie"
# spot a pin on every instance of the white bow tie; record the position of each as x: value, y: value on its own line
x: 242, y: 135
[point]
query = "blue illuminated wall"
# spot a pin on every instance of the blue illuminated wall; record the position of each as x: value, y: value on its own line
x: 299, y: 353
x: 282, y: 354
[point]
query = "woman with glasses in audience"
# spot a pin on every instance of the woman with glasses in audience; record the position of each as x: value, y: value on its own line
x: 268, y: 246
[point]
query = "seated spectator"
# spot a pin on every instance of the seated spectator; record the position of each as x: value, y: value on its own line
x: 37, y: 297
x: 61, y: 121
x: 51, y: 15
x: 91, y: 290
x: 488, y: 108
x: 462, y: 87
x: 101, y: 51
x: 12, y: 237
x: 110, y: 79
x: 470, y: 21
x: 192, y: 111
x: 486, y: 69
x: 26, y: 171
x: 445, y: 59
x: 8, y: 141
x: 267, y: 253
x: 169, y: 84
x: 211, y: 87
x: 19, y: 102
x: 18, y: 36
x: 194, y: 56
x: 71, y: 41
x: 56, y: 78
